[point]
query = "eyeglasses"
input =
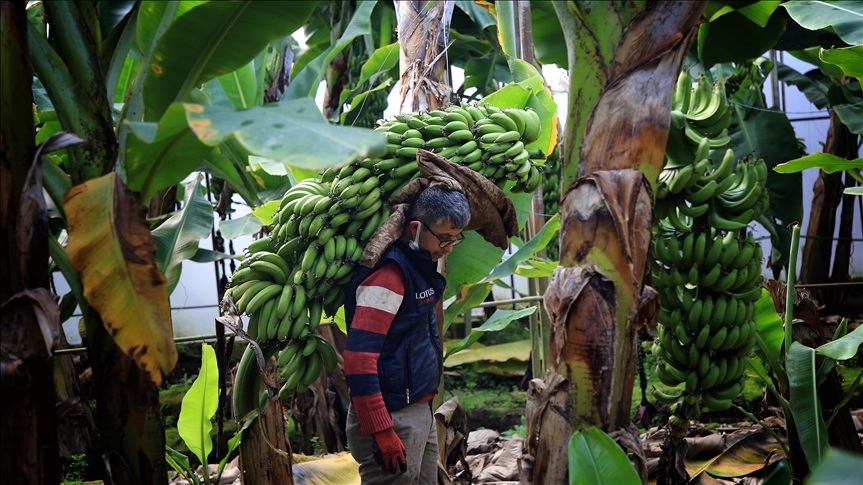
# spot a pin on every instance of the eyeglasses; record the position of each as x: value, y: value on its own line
x: 444, y: 243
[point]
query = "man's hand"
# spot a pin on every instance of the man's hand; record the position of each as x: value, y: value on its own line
x: 389, y: 451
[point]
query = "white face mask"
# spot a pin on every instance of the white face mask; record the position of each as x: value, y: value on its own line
x: 415, y: 243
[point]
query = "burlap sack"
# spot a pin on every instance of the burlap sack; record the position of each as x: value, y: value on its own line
x: 492, y: 214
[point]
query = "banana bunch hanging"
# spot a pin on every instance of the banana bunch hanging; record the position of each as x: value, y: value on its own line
x: 291, y: 278
x: 551, y: 198
x: 707, y: 269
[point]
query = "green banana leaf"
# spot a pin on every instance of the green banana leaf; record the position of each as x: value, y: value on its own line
x: 548, y: 42
x: 241, y: 85
x: 769, y: 325
x: 178, y: 237
x: 479, y: 15
x: 265, y: 212
x: 536, y: 244
x: 219, y: 165
x: 119, y: 63
x: 812, y: 56
x: 804, y: 402
x: 499, y: 320
x: 757, y: 12
x: 160, y: 155
x: 510, y: 352
x: 124, y: 80
x: 844, y: 17
x: 843, y: 348
x: 203, y: 255
x: 825, y: 161
x: 213, y: 39
x: 852, y: 117
x: 506, y: 27
x: 596, y: 459
x: 734, y: 38
x: 533, y: 268
x: 154, y: 18
x: 199, y: 405
x: 469, y: 297
x: 470, y: 262
x: 273, y: 130
x: 828, y: 362
x: 849, y: 59
x: 234, y: 442
x: 814, y: 84
x: 381, y: 62
x: 241, y: 226
x: 781, y: 475
x: 180, y: 463
x: 305, y: 83
x: 836, y: 468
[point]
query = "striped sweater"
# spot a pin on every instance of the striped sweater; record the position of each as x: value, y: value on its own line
x: 379, y: 297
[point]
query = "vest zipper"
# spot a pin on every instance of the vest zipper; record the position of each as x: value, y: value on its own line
x: 408, y: 373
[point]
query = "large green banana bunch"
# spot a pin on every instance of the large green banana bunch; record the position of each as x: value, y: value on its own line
x: 289, y: 279
x: 551, y: 198
x: 707, y: 269
x: 697, y: 113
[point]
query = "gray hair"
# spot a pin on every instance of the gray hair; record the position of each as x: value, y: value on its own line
x: 435, y: 206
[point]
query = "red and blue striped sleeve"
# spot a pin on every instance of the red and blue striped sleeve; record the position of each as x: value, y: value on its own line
x: 378, y: 300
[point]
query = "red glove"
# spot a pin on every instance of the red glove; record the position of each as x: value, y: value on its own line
x: 389, y: 451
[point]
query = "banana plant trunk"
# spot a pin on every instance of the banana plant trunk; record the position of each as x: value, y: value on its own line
x: 624, y: 59
x: 826, y: 200
x: 128, y: 415
x: 423, y: 35
x: 30, y: 317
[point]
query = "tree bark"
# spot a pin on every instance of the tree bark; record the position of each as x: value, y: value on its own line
x: 29, y: 318
x: 265, y: 454
x: 628, y: 58
x: 128, y: 415
x: 827, y: 194
x: 837, y: 296
x: 423, y: 34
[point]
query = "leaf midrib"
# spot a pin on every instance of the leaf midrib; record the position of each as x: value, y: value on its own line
x: 213, y: 44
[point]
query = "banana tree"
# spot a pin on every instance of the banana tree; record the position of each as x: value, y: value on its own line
x: 154, y: 58
x: 28, y: 425
x: 624, y: 59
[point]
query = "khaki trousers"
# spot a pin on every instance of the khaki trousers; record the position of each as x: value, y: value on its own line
x: 415, y: 425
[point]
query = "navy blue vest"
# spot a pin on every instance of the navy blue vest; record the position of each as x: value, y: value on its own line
x: 411, y: 360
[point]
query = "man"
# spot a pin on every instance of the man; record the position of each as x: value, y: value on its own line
x: 393, y: 357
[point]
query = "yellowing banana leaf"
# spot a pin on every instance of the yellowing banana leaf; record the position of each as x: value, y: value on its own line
x: 533, y: 268
x: 111, y: 248
x: 744, y: 457
x: 199, y: 405
x: 265, y: 212
x: 339, y: 469
x: 512, y: 368
x: 519, y: 351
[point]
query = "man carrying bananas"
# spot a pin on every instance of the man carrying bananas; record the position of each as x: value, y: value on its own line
x: 393, y: 358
